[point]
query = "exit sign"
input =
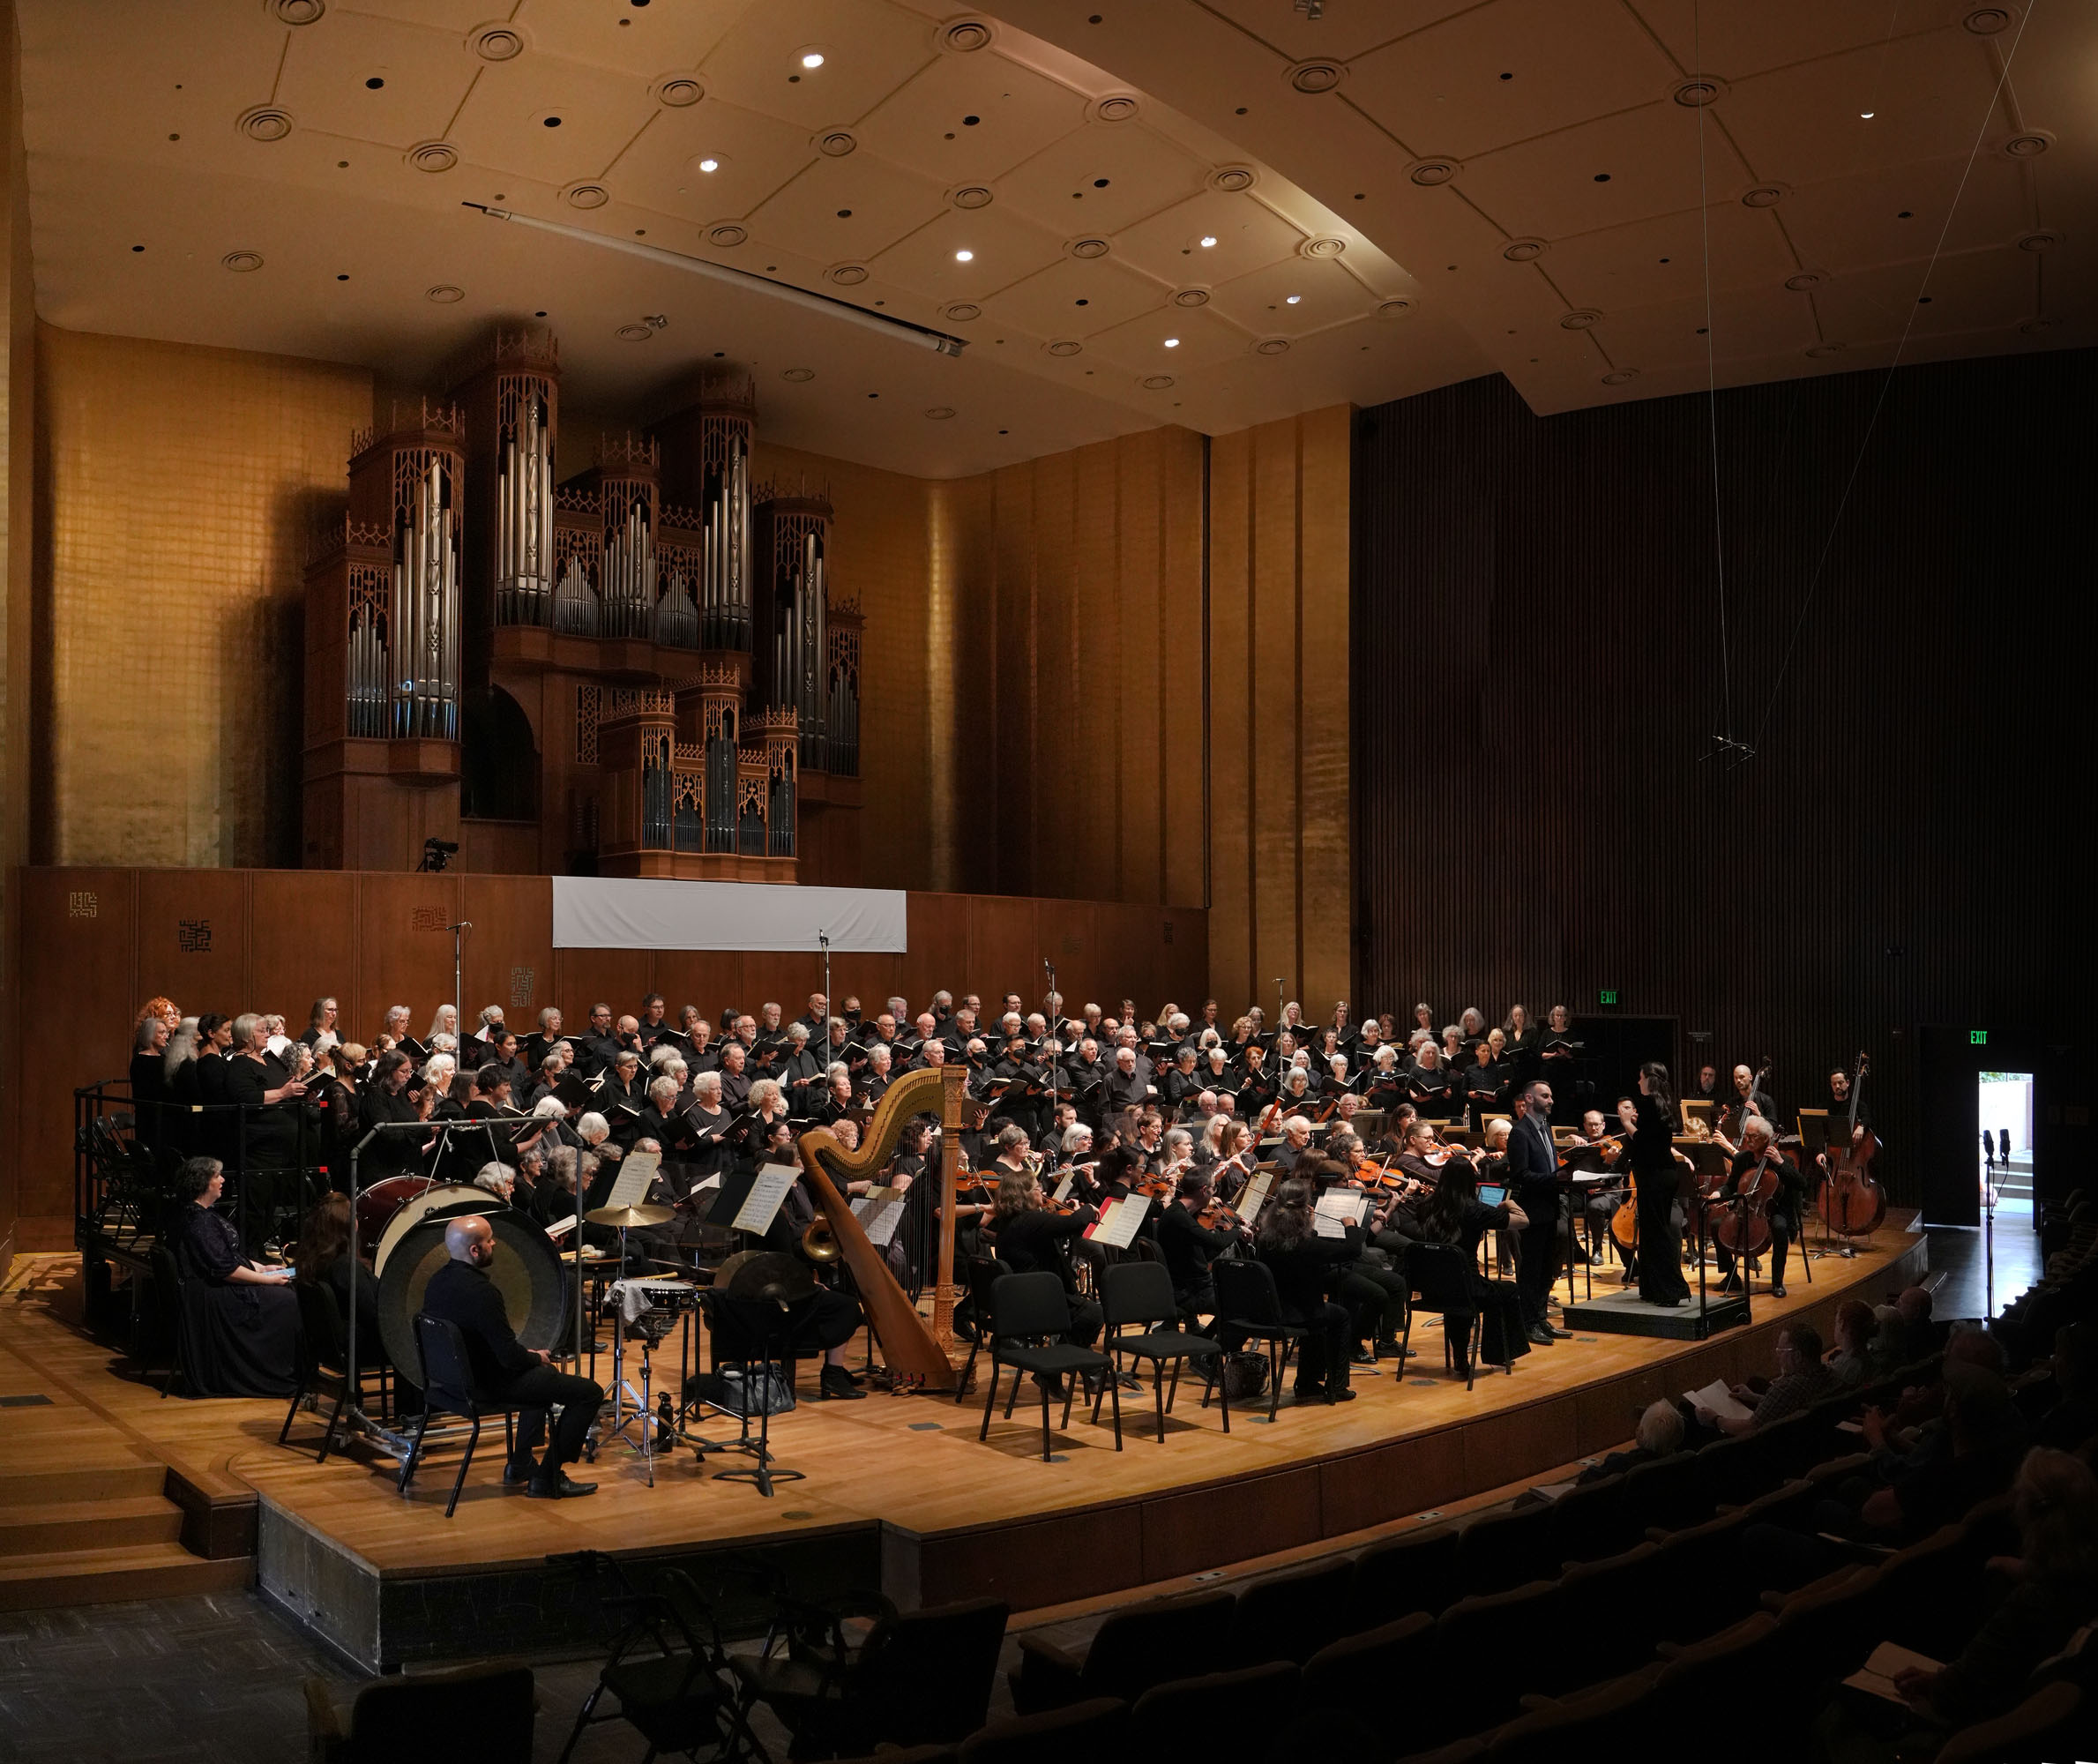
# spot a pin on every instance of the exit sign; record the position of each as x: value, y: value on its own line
x: 1606, y: 996
x: 1977, y: 1037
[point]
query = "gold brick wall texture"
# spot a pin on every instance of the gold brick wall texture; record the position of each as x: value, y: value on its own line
x: 1281, y: 887
x: 179, y: 484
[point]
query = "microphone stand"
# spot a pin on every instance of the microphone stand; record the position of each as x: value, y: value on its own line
x: 459, y: 984
x: 823, y: 937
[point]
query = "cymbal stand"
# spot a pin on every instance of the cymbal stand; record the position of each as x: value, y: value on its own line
x: 627, y: 1406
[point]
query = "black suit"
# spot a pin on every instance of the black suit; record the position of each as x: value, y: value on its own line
x: 1534, y: 1175
x: 462, y: 1294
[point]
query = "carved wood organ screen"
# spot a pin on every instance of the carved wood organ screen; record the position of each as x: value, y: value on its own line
x: 667, y: 628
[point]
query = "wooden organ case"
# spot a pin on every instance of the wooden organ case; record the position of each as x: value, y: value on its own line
x: 638, y: 671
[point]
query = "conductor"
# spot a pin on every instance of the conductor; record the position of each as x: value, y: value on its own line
x: 460, y: 1292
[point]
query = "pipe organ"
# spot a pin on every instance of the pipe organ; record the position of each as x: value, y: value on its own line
x: 654, y: 637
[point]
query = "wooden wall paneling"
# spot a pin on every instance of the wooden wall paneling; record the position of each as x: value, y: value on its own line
x: 1277, y: 661
x: 1231, y: 902
x: 192, y: 941
x: 1183, y: 646
x: 1004, y: 947
x: 1186, y: 930
x: 787, y: 977
x: 1387, y: 1481
x: 1065, y: 787
x: 302, y: 946
x: 1142, y: 653
x: 509, y: 951
x: 1000, y: 712
x: 939, y: 955
x: 618, y: 977
x: 78, y: 990
x: 1031, y: 1564
x: 1269, y: 1513
x: 1327, y: 890
x: 707, y: 978
x: 1522, y: 1442
x: 404, y: 952
x: 1070, y: 939
x: 1519, y: 552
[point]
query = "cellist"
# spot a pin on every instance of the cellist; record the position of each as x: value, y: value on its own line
x: 1760, y: 1155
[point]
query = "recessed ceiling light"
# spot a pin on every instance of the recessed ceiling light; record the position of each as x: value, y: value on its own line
x: 812, y: 58
x: 1172, y: 343
x: 964, y: 256
x: 1209, y: 239
x: 1293, y: 299
x: 1864, y: 115
x: 710, y: 165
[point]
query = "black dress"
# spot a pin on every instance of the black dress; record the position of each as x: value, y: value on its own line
x: 1653, y: 1168
x: 1502, y: 1339
x: 149, y: 1095
x: 243, y: 1340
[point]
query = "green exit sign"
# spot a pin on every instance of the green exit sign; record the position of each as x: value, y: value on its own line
x: 1977, y: 1037
x: 1606, y: 996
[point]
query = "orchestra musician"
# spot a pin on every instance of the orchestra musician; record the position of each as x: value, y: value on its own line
x: 1759, y: 1152
x: 1306, y: 1266
x: 1188, y: 1247
x: 1536, y: 1183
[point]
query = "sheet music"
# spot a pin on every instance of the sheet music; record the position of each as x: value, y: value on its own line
x: 763, y: 1202
x: 629, y: 1188
x: 1718, y: 1399
x: 1118, y: 1221
x: 562, y: 1226
x: 1063, y: 1191
x: 1337, y: 1209
x: 880, y: 1211
x: 1254, y: 1197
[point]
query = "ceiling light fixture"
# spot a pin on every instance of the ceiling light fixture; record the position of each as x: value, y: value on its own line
x: 1209, y: 239
x: 939, y: 341
x: 710, y: 165
x: 1293, y: 299
x: 812, y: 59
x: 1864, y: 115
x: 1172, y: 343
x: 964, y: 256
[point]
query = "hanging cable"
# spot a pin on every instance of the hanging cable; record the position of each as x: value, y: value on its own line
x: 1887, y: 382
x: 1725, y: 741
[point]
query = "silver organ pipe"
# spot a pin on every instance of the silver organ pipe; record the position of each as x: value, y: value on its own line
x: 426, y: 609
x: 525, y: 514
x: 369, y: 675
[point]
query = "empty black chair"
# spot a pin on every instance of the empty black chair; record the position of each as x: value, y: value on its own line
x: 448, y: 1388
x: 1396, y: 1576
x: 922, y: 1677
x: 1664, y: 1495
x: 1441, y: 1277
x: 1586, y: 1725
x: 1472, y: 1676
x: 1291, y: 1615
x: 984, y: 1272
x: 1135, y: 1648
x: 323, y: 1351
x: 1029, y: 1313
x: 1225, y: 1718
x: 1139, y: 1295
x: 1502, y: 1550
x: 1587, y: 1521
x: 1088, y: 1730
x: 1248, y: 1305
x: 1607, y: 1620
x: 1730, y: 1471
x: 1356, y: 1674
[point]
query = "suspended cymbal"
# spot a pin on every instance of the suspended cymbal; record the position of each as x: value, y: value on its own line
x: 631, y: 1217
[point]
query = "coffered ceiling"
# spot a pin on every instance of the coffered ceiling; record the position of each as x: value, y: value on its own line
x: 1206, y: 212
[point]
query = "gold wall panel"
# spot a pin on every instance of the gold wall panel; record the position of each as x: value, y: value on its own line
x: 1076, y: 584
x: 17, y: 407
x: 1282, y: 889
x: 179, y: 484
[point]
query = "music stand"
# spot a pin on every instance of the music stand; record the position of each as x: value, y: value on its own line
x: 762, y: 1328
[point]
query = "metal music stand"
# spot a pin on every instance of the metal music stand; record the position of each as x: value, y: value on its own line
x: 762, y: 1328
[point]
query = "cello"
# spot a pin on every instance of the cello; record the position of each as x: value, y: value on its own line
x: 1852, y: 1204
x: 1744, y: 1227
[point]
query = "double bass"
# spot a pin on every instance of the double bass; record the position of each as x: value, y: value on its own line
x: 1852, y: 1204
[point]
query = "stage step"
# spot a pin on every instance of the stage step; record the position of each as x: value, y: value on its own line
x: 45, y: 1527
x: 111, y: 1576
x: 108, y: 1482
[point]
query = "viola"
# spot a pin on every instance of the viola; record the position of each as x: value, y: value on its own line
x: 1852, y: 1204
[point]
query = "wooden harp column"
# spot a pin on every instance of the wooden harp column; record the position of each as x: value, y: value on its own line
x: 917, y: 1354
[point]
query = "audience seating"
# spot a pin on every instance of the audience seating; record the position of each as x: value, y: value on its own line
x: 1502, y: 1550
x: 1414, y: 1571
x: 1093, y: 1730
x: 1357, y: 1673
x: 2044, y: 1725
x: 1143, y: 1644
x: 1290, y: 1616
x: 480, y: 1711
x: 1223, y: 1718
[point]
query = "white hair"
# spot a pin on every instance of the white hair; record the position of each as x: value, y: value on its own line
x: 594, y: 1129
x: 663, y: 1089
x: 438, y: 1066
x: 496, y: 1177
x: 707, y: 1084
x: 549, y: 1109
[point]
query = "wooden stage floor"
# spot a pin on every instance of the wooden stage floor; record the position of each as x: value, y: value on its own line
x: 902, y: 1487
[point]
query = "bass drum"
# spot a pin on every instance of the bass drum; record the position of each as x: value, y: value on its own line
x: 525, y: 1271
x: 379, y: 1203
x: 435, y: 1201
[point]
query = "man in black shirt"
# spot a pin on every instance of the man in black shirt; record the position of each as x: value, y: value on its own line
x: 1188, y: 1247
x: 460, y: 1292
x: 596, y: 1050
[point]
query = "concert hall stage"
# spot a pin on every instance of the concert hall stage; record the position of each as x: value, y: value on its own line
x: 898, y: 1492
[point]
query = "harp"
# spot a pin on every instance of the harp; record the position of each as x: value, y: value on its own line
x: 915, y: 1352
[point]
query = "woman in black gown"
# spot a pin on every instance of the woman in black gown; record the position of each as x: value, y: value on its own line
x: 1654, y: 1169
x: 243, y: 1320
x: 1454, y: 1215
x: 149, y: 1081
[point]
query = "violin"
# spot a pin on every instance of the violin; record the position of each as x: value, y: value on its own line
x: 1215, y: 1214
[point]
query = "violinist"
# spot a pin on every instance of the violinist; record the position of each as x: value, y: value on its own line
x: 1305, y: 1266
x: 1454, y: 1215
x: 1758, y: 1155
x: 1188, y: 1245
x: 1030, y: 1238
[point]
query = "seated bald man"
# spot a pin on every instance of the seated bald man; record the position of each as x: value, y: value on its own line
x: 460, y: 1292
